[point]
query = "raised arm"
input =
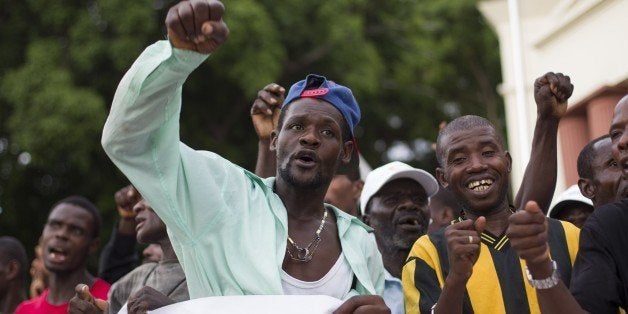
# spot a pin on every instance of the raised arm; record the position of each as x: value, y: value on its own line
x: 141, y: 135
x: 265, y: 115
x: 551, y: 92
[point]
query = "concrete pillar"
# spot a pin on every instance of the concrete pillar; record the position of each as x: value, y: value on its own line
x: 600, y: 112
x: 574, y: 134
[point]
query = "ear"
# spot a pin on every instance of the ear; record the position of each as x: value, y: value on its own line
x: 347, y: 150
x: 366, y: 219
x: 358, y: 185
x: 440, y: 175
x: 587, y: 188
x: 273, y: 140
x: 93, y: 246
x: 509, y: 159
x: 13, y: 269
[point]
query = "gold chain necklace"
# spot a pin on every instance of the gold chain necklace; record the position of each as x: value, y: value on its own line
x: 305, y: 254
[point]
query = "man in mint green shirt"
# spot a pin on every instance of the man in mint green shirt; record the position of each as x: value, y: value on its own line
x: 234, y: 233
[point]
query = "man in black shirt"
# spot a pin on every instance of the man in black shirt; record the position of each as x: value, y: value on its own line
x: 599, y: 280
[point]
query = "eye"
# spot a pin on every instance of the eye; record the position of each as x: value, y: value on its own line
x: 54, y: 224
x: 77, y: 231
x: 614, y: 134
x: 390, y: 201
x: 419, y: 200
x: 457, y: 160
x: 488, y: 153
x: 295, y: 126
x: 328, y: 133
x: 612, y: 163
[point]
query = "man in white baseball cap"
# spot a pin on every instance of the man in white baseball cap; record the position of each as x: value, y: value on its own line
x: 571, y: 206
x: 394, y: 202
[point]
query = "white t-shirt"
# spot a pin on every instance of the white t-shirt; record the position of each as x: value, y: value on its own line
x: 336, y: 283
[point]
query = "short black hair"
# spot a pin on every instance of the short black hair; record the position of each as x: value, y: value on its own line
x: 12, y: 249
x: 87, y: 205
x: 462, y: 124
x: 586, y: 156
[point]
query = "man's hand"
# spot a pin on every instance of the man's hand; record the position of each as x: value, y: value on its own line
x: 125, y: 199
x: 527, y: 232
x: 363, y: 304
x: 84, y: 302
x: 463, y: 246
x: 147, y: 299
x: 266, y: 108
x: 197, y: 25
x: 551, y: 92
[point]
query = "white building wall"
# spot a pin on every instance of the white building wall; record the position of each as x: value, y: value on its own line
x: 586, y: 39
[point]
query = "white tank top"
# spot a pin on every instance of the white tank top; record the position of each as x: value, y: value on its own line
x: 336, y: 283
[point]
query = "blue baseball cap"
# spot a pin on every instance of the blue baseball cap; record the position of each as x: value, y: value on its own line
x: 317, y: 86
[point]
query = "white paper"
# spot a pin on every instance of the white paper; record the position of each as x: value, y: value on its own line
x: 280, y: 304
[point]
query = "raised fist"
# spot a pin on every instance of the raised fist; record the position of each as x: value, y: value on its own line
x: 197, y: 25
x: 551, y: 92
x: 265, y: 110
x: 125, y: 199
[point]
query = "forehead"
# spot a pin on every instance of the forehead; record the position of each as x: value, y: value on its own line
x: 475, y: 136
x: 603, y: 149
x: 620, y: 116
x: 71, y: 214
x: 314, y: 108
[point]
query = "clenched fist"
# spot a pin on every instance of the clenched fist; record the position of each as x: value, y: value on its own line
x: 551, y: 92
x: 197, y: 25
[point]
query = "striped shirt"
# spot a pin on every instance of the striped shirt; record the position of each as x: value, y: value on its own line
x: 498, y: 283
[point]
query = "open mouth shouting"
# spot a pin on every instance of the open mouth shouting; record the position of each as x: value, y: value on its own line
x: 410, y: 223
x: 480, y: 185
x: 306, y: 159
x: 57, y: 255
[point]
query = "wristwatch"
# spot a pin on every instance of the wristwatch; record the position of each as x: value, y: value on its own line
x: 546, y: 283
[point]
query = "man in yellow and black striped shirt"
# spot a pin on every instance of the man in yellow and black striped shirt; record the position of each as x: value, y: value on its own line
x: 498, y: 283
x: 469, y: 266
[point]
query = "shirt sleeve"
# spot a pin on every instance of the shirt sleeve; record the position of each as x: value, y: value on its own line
x: 419, y: 278
x: 188, y: 189
x: 594, y: 282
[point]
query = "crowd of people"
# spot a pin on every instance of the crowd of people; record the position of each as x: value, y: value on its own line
x: 306, y: 222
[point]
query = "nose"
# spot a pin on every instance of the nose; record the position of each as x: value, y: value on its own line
x: 62, y: 232
x: 138, y: 207
x: 407, y: 204
x: 476, y: 164
x: 309, y: 138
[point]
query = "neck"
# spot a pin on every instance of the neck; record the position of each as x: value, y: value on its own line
x: 496, y: 220
x: 301, y: 203
x: 393, y: 261
x: 14, y: 296
x: 168, y: 254
x: 62, y: 284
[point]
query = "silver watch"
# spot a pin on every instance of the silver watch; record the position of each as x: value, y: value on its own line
x: 546, y: 283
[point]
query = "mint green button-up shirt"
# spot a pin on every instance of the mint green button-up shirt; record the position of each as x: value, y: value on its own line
x: 227, y: 226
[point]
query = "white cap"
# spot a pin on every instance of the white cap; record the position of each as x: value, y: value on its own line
x: 572, y: 194
x: 391, y: 171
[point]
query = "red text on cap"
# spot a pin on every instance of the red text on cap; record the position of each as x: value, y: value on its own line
x: 314, y: 92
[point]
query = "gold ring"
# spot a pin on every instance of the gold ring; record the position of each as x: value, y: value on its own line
x: 470, y: 239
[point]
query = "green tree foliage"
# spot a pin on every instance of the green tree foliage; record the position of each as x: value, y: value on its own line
x: 411, y: 65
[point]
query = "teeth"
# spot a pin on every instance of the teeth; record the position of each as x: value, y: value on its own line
x: 480, y: 185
